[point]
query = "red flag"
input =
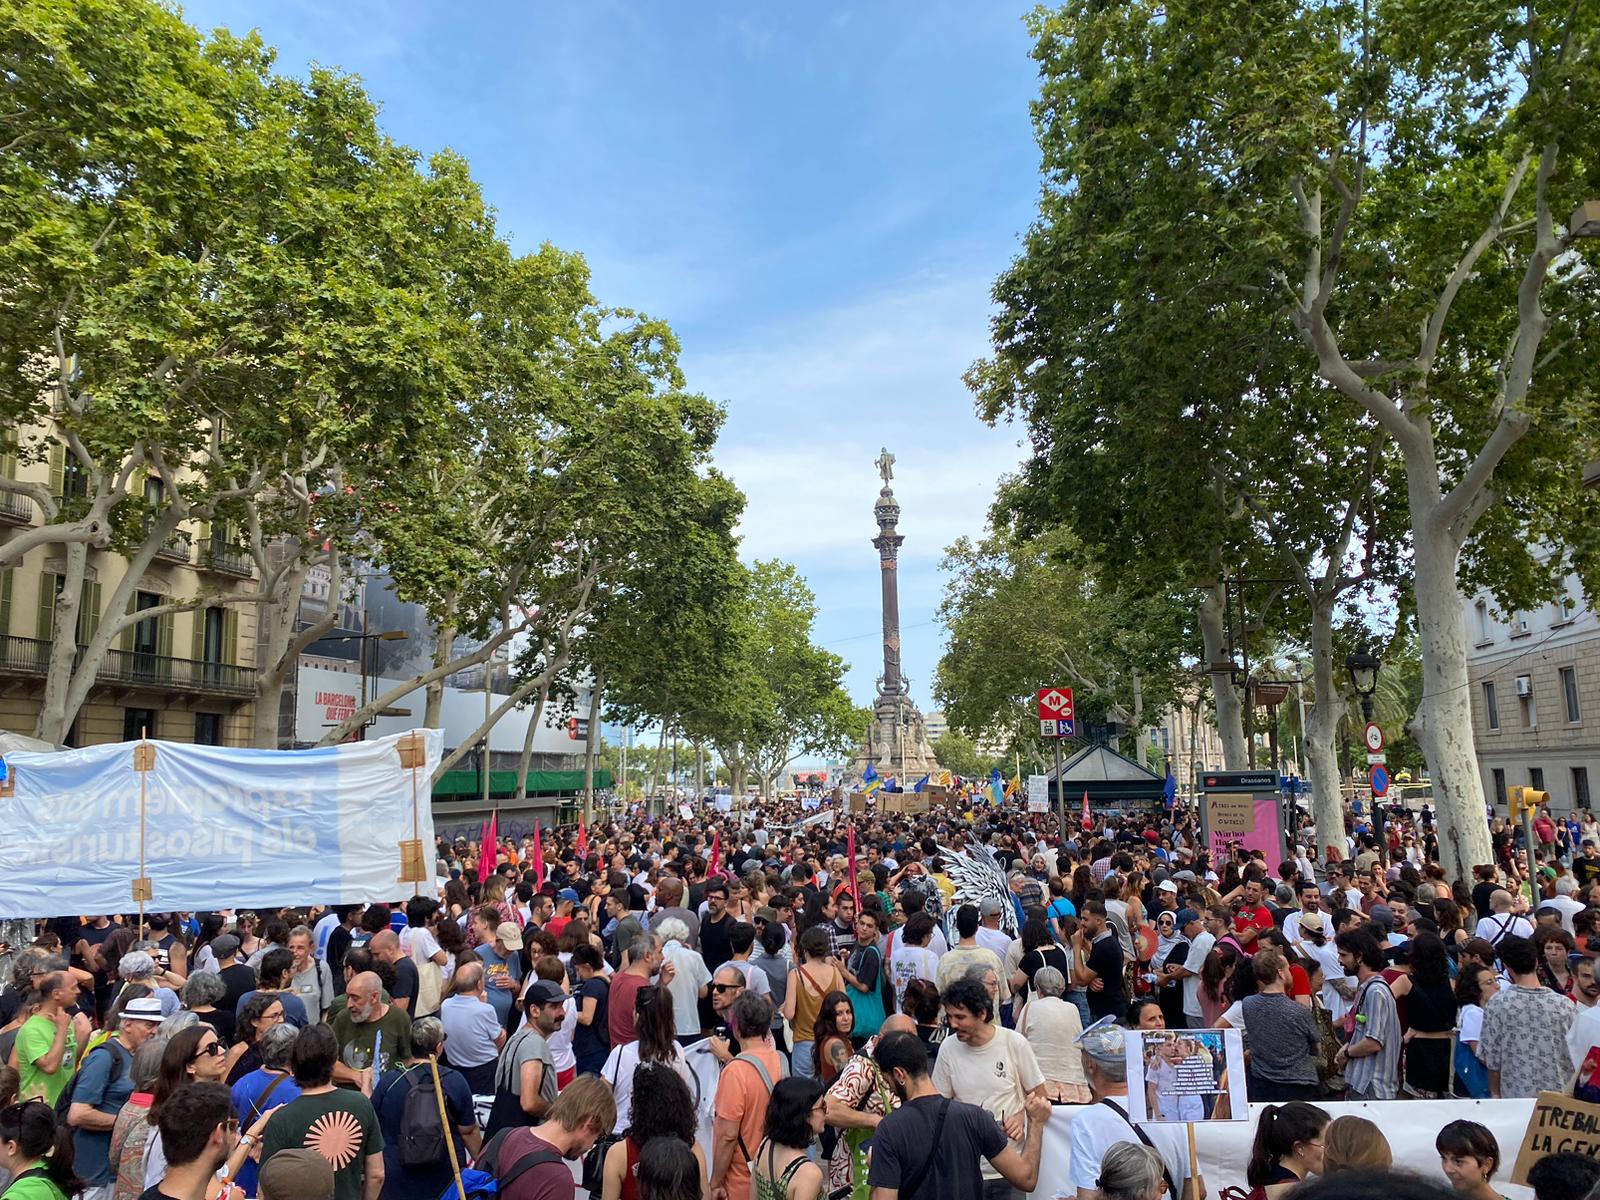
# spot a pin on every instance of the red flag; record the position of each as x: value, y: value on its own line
x: 1087, y: 823
x: 850, y: 853
x: 490, y: 858
x: 714, y: 864
x: 538, y: 858
x: 583, y: 839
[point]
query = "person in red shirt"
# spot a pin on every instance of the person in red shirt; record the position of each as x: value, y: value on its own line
x: 581, y: 1115
x: 1253, y: 917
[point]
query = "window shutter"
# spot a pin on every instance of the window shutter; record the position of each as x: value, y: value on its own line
x: 197, y: 640
x: 230, y: 636
x: 58, y: 469
x: 48, y: 582
x: 164, y: 636
x: 5, y: 601
x: 128, y: 631
x: 88, y: 612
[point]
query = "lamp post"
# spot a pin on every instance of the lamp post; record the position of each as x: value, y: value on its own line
x: 387, y: 635
x: 1363, y: 668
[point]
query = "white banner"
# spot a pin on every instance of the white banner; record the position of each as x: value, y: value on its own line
x: 224, y: 827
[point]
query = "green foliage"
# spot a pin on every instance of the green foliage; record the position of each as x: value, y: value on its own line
x: 958, y: 754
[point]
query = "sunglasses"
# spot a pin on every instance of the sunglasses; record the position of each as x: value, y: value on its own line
x: 215, y: 1050
x: 727, y: 987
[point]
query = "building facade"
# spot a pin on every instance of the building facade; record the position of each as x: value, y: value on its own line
x: 1535, y: 683
x: 182, y: 677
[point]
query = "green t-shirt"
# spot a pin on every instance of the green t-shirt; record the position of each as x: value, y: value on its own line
x: 34, y: 1039
x: 339, y: 1125
x: 357, y: 1042
x: 33, y: 1187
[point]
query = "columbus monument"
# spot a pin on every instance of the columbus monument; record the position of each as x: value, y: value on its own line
x: 897, y: 742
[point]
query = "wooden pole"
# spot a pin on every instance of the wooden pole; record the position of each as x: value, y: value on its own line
x: 1193, y: 1185
x: 450, y: 1131
x: 144, y: 760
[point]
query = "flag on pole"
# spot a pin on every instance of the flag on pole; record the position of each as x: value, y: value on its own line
x: 1087, y: 822
x: 893, y: 785
x: 714, y: 864
x: 1169, y: 789
x: 538, y: 857
x: 921, y: 783
x: 850, y: 855
x: 1014, y: 787
x: 870, y: 780
x: 490, y: 858
x: 945, y: 779
x: 583, y: 839
x: 996, y: 788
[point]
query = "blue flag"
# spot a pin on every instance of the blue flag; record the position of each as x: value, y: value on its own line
x: 920, y: 783
x: 996, y: 787
x: 870, y: 779
x: 1169, y: 790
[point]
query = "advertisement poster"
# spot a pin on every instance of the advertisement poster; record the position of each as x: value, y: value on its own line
x: 1179, y: 1075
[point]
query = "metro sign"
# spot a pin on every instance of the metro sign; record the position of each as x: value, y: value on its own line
x: 1056, y: 715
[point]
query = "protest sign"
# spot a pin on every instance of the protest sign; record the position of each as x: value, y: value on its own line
x: 223, y: 826
x: 1186, y: 1075
x: 1558, y: 1124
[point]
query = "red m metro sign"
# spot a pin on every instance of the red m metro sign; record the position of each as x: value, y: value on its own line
x: 1056, y: 717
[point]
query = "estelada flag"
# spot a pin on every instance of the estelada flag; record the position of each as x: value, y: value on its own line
x: 490, y: 858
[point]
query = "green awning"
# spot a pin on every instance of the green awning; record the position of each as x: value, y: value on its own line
x: 463, y: 785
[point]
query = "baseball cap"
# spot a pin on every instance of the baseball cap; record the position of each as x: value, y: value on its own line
x: 1103, y: 1041
x: 1186, y: 916
x: 1382, y: 914
x: 1166, y: 885
x: 568, y: 894
x: 296, y: 1175
x: 542, y: 991
x: 224, y: 945
x: 144, y: 1008
x: 767, y: 913
x: 1312, y: 922
x: 509, y: 934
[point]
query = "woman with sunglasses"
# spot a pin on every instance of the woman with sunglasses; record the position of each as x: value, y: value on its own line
x: 37, y: 1148
x: 194, y: 1054
x: 1172, y: 949
x: 261, y: 1012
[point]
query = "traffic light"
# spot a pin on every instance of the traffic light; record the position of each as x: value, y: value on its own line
x: 1525, y: 799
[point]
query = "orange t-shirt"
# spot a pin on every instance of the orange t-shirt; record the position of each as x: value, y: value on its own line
x: 742, y: 1097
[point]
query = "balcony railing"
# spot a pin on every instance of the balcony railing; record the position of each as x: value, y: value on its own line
x: 136, y: 668
x: 225, y: 559
x: 177, y: 548
x: 15, y: 509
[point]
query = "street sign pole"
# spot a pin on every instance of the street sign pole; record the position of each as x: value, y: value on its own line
x: 1061, y: 792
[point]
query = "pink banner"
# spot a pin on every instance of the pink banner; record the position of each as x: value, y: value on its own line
x: 1238, y: 819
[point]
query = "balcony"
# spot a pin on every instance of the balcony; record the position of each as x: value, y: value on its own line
x: 136, y: 669
x: 222, y: 559
x: 177, y: 548
x: 15, y: 509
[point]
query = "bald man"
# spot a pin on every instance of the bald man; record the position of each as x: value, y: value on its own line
x: 385, y: 947
x: 727, y: 985
x: 371, y: 1034
x: 856, y: 1101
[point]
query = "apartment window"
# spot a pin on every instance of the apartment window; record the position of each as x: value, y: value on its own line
x: 1499, y: 786
x: 1485, y: 629
x: 1569, y: 693
x: 1536, y: 778
x: 1519, y: 624
x: 1490, y: 708
x: 1580, y: 786
x: 207, y: 729
x: 1566, y: 608
x: 138, y: 723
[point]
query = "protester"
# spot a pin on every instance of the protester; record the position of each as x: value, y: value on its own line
x: 1565, y: 1175
x: 261, y: 1012
x: 1283, y: 1035
x: 661, y: 1107
x: 1288, y: 1147
x: 1371, y: 1061
x: 268, y: 1086
x: 371, y: 1033
x: 743, y: 1094
x: 579, y: 1117
x: 415, y: 1163
x: 819, y: 977
x: 1524, y: 1039
x: 931, y: 1146
x: 473, y: 1029
x: 655, y: 1043
x: 1130, y: 1171
x: 104, y: 1083
x: 782, y: 1168
x: 193, y: 1055
x: 1051, y: 1026
x: 1353, y: 1144
x: 37, y: 1150
x: 47, y: 1045
x: 1097, y: 1126
x: 296, y: 1175
x: 1469, y: 1157
x: 132, y: 1129
x: 338, y: 1123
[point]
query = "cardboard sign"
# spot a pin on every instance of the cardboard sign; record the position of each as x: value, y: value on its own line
x: 1558, y: 1123
x: 1187, y: 1075
x: 858, y: 802
x: 904, y: 803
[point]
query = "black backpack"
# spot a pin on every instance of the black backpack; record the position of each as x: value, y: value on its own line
x: 119, y: 1068
x: 422, y: 1133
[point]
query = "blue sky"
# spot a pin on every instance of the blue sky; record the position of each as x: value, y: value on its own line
x: 816, y: 196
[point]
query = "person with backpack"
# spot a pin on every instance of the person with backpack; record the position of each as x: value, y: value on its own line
x: 95, y: 1095
x: 264, y: 1089
x: 743, y: 1093
x: 37, y: 1148
x: 530, y: 1162
x: 416, y: 1165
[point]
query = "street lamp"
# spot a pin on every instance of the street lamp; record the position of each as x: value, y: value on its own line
x: 1363, y: 667
x: 387, y: 635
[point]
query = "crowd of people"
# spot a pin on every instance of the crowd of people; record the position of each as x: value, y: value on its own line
x: 844, y: 1008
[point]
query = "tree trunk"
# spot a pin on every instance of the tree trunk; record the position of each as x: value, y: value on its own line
x: 589, y: 743
x: 433, y: 705
x: 527, y: 742
x: 1230, y: 712
x: 1321, y: 733
x: 1443, y: 724
x: 54, y: 721
x: 284, y: 646
x: 1140, y: 742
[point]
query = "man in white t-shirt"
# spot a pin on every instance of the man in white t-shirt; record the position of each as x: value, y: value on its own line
x: 1200, y: 944
x: 1563, y: 902
x: 911, y: 957
x: 990, y: 935
x: 1098, y: 1126
x: 1501, y: 922
x: 984, y: 1064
